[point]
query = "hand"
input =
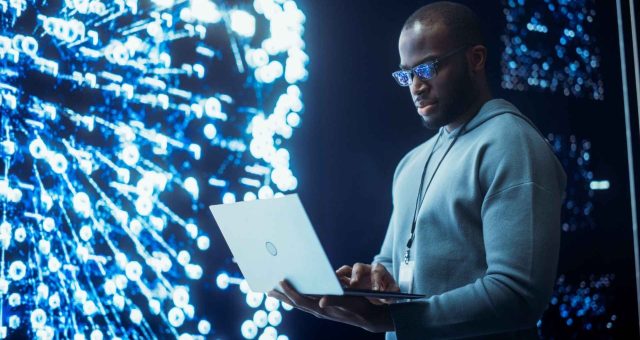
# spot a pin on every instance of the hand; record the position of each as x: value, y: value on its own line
x: 356, y: 311
x: 364, y: 276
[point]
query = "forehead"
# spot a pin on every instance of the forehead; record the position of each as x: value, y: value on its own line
x: 420, y: 41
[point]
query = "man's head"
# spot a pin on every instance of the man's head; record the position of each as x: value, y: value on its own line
x: 459, y: 86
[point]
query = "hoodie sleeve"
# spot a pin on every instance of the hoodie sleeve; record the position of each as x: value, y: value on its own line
x: 520, y: 216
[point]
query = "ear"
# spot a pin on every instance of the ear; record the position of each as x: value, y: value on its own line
x: 477, y: 57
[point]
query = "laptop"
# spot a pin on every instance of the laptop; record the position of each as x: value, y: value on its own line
x: 273, y: 239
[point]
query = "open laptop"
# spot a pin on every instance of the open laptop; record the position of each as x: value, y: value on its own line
x: 273, y: 239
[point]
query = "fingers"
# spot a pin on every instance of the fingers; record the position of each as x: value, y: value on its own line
x: 277, y: 295
x: 298, y: 300
x: 344, y: 275
x: 344, y: 271
x: 382, y: 280
x: 359, y: 273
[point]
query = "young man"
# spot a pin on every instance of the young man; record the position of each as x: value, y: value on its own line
x: 476, y: 218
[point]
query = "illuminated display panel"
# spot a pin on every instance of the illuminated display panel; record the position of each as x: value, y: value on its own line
x: 116, y: 116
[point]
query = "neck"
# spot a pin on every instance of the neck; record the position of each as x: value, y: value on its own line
x: 470, y: 112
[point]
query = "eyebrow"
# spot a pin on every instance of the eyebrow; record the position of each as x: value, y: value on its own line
x: 422, y: 61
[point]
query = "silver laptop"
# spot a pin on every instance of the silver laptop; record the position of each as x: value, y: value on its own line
x: 273, y: 239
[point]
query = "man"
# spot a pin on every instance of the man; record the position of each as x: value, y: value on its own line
x: 476, y: 219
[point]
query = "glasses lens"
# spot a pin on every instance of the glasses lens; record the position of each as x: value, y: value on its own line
x: 402, y: 77
x: 425, y: 71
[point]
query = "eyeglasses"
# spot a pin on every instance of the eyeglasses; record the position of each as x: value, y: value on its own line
x: 424, y: 71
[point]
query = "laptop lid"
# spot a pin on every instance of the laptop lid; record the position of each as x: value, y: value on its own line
x: 272, y: 240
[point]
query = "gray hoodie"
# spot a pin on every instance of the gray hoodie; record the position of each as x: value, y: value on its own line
x: 488, y: 231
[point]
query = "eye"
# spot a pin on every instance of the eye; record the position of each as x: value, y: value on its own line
x: 405, y: 76
x: 425, y: 71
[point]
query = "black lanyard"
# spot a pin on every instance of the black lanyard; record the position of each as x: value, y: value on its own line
x: 422, y: 195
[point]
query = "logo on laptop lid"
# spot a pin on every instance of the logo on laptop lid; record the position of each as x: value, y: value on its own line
x: 271, y: 248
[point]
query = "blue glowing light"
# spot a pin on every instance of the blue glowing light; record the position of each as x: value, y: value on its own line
x: 117, y: 117
x: 567, y: 53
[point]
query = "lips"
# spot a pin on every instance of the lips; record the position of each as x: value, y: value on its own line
x: 425, y: 106
x: 421, y: 103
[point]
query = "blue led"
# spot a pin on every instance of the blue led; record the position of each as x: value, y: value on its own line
x: 528, y: 36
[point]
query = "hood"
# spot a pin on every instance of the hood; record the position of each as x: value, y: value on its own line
x: 493, y: 108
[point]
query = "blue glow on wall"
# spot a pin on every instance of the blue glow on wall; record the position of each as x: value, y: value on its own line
x: 114, y: 114
x: 551, y: 46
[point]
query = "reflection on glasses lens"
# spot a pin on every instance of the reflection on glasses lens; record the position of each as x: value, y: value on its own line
x: 402, y: 77
x: 425, y: 71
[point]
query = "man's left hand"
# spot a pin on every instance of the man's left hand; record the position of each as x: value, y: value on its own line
x: 356, y: 311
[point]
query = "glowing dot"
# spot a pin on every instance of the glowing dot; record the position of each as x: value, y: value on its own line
x: 154, y: 306
x: 204, y: 327
x: 38, y: 319
x: 222, y: 281
x: 54, y: 264
x: 184, y: 257
x: 275, y: 318
x: 249, y: 329
x: 86, y: 233
x: 82, y: 204
x: 58, y: 163
x: 193, y: 271
x: 204, y: 11
x: 38, y: 149
x: 14, y: 300
x: 80, y: 296
x: 254, y: 299
x: 260, y: 318
x: 54, y: 301
x: 203, y: 243
x: 144, y: 206
x: 118, y: 302
x: 17, y: 270
x: 293, y: 119
x: 134, y: 271
x: 244, y: 286
x: 20, y: 235
x: 96, y: 335
x: 271, y: 304
x: 176, y: 317
x: 191, y: 186
x: 135, y: 315
x: 210, y: 131
x: 130, y: 155
x: 89, y: 308
x: 180, y: 297
x: 243, y: 23
x: 228, y: 198
x: 48, y: 224
x: 14, y: 321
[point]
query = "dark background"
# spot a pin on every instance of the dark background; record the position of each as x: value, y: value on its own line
x: 358, y: 124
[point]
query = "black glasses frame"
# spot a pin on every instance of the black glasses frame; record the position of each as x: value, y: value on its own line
x: 424, y: 71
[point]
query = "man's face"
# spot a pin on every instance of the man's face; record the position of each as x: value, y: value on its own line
x: 445, y: 97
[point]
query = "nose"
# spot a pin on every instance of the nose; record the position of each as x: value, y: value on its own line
x: 418, y: 85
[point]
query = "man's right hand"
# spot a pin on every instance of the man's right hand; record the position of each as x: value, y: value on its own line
x: 365, y: 276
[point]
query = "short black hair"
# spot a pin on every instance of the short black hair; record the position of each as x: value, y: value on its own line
x: 461, y: 22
